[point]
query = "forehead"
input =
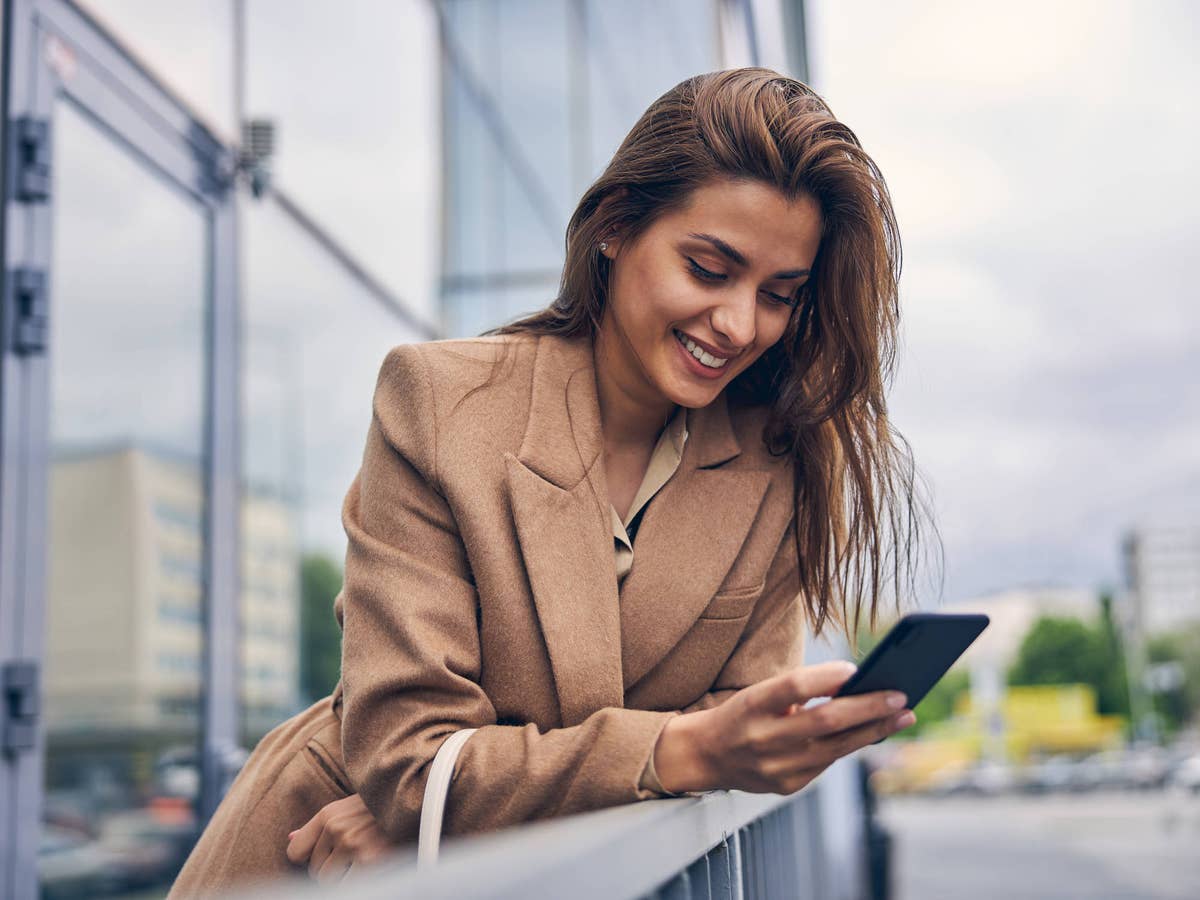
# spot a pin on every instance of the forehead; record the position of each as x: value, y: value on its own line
x: 772, y: 231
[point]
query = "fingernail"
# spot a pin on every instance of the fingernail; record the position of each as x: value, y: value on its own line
x: 896, y: 700
x: 905, y: 720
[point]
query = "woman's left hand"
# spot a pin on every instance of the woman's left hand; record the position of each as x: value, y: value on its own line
x: 342, y: 834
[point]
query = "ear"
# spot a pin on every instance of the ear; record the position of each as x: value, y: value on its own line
x: 613, y: 236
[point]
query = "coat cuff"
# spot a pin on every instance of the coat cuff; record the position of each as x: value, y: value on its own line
x: 649, y: 780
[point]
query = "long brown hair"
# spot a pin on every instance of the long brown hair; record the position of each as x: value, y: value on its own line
x: 858, y: 513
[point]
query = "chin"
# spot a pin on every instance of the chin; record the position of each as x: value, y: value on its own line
x: 695, y: 397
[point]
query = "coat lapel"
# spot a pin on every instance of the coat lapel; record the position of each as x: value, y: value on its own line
x: 690, y: 535
x: 559, y: 498
x: 600, y: 644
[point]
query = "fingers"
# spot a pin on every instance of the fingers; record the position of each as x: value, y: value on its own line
x: 777, y: 695
x: 842, y: 713
x: 302, y: 840
x: 334, y: 868
x: 844, y: 742
x: 325, y: 847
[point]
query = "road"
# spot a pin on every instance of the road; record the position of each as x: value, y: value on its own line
x: 1102, y: 846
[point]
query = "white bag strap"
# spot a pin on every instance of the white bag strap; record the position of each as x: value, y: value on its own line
x: 434, y: 802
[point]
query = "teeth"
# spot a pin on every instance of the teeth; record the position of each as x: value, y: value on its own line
x: 704, y: 356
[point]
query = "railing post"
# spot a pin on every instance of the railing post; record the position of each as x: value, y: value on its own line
x: 700, y: 874
x: 725, y: 870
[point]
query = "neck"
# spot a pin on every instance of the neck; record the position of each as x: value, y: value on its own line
x: 632, y: 413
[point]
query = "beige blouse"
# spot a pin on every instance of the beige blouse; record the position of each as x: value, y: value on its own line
x: 664, y: 460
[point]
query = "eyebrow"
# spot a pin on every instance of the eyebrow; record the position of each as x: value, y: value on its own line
x: 734, y: 254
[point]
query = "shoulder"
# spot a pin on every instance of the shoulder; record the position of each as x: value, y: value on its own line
x: 443, y: 363
x: 437, y: 375
x: 439, y: 399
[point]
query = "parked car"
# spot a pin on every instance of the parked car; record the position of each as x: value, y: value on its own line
x: 146, y: 851
x: 984, y: 778
x: 1187, y: 774
x: 71, y: 864
x: 1146, y: 768
x: 1105, y: 769
x: 1047, y: 776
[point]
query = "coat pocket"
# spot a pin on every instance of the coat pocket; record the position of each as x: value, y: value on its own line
x: 327, y: 767
x: 735, y: 603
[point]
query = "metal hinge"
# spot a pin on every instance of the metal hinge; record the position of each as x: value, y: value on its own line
x: 20, y: 685
x: 28, y: 307
x: 31, y: 160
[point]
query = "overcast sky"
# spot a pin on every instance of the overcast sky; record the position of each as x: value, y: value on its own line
x: 1042, y: 161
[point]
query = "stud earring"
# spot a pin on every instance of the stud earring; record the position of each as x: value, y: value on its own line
x: 603, y: 246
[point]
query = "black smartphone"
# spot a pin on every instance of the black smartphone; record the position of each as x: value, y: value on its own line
x: 915, y: 654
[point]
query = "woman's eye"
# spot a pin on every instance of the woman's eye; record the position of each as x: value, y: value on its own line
x: 700, y: 272
x: 786, y: 301
x: 705, y: 275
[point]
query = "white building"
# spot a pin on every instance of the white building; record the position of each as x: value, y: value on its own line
x: 124, y: 636
x: 1162, y: 564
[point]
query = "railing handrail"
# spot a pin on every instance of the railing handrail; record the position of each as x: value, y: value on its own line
x: 652, y: 840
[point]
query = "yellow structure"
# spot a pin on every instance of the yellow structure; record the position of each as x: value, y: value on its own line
x: 1039, y: 719
x: 1051, y: 718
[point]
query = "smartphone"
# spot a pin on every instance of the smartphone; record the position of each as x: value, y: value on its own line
x: 915, y: 654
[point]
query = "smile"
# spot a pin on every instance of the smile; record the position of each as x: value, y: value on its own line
x: 702, y: 356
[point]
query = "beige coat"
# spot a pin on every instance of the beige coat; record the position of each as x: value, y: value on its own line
x: 480, y: 591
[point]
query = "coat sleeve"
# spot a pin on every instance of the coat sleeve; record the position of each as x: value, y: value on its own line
x: 411, y: 658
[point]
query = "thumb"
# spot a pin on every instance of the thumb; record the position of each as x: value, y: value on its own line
x: 301, y: 841
x: 801, y: 684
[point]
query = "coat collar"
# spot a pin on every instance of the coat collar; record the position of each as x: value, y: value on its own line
x: 601, y: 641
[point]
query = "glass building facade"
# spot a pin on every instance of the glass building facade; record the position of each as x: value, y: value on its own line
x: 538, y: 94
x: 188, y: 363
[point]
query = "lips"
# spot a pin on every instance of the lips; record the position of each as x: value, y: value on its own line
x: 708, y: 348
x: 696, y: 367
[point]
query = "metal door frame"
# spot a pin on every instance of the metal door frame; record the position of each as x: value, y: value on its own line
x: 56, y: 53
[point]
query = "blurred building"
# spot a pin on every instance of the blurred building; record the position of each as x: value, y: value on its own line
x: 123, y: 654
x: 129, y: 658
x: 1162, y: 565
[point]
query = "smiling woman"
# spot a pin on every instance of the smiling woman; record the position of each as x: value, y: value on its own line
x: 595, y: 536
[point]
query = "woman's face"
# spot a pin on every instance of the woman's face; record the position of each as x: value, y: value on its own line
x: 715, y: 278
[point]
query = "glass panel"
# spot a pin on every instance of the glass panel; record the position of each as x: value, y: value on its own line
x: 353, y: 89
x: 564, y: 119
x: 472, y: 310
x: 637, y: 52
x: 313, y: 342
x: 126, y: 503
x: 186, y: 43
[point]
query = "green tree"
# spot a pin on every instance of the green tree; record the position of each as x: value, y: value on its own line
x: 1063, y: 650
x: 938, y: 704
x: 320, y: 637
x: 1112, y: 696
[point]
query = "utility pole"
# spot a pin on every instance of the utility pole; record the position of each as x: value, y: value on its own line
x: 1134, y: 635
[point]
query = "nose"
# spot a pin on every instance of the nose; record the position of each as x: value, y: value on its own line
x: 733, y: 319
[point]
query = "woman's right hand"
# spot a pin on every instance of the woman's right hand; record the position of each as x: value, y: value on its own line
x: 763, y: 741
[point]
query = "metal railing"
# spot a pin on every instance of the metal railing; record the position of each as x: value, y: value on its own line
x: 724, y: 844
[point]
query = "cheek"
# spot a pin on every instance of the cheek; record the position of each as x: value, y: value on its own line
x: 772, y: 324
x: 655, y: 300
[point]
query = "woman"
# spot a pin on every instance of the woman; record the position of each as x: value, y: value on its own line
x: 704, y: 400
